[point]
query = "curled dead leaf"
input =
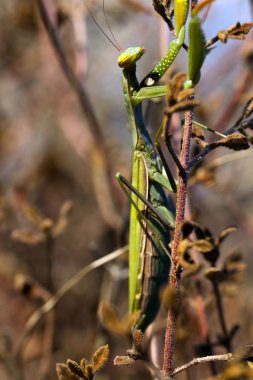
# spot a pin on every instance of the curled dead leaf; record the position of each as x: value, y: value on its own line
x: 237, y: 31
x: 27, y: 236
x: 225, y: 232
x: 123, y: 360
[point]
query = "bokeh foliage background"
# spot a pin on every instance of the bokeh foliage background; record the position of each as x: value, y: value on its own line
x: 46, y: 150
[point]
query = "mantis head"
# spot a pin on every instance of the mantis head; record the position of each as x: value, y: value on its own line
x: 130, y: 56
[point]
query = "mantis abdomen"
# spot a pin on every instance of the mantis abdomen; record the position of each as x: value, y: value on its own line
x: 149, y: 263
x: 154, y: 265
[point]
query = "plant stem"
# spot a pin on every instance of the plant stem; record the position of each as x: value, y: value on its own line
x: 175, y: 270
x: 220, y: 310
x: 49, y: 305
x: 206, y: 359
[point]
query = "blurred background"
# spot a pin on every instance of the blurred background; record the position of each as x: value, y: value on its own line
x: 60, y: 147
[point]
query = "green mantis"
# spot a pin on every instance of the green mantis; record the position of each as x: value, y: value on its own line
x: 152, y: 215
x: 149, y: 261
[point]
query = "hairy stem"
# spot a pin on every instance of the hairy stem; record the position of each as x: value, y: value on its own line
x: 175, y: 270
x: 206, y: 359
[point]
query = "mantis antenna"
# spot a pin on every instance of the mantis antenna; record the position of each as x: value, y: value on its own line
x: 113, y: 40
x: 107, y: 23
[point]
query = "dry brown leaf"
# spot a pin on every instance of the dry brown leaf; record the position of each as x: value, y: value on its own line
x: 123, y: 360
x: 64, y: 373
x: 75, y: 368
x: 138, y: 340
x: 236, y: 141
x: 27, y: 237
x: 237, y: 31
x: 100, y: 357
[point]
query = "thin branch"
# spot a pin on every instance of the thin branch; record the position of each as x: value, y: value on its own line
x: 212, y: 41
x: 100, y: 155
x: 211, y: 146
x: 167, y: 168
x: 242, y: 84
x: 61, y: 292
x: 166, y: 136
x: 199, y: 157
x: 49, y: 242
x: 173, y: 153
x: 206, y: 359
x: 226, y: 339
x: 78, y: 11
x: 7, y: 361
x: 68, y: 71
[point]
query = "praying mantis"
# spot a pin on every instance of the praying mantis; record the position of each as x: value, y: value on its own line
x: 151, y: 218
x: 152, y: 215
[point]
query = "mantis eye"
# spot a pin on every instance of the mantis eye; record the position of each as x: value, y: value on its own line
x: 130, y: 56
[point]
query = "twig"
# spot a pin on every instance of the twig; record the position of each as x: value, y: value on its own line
x: 175, y: 270
x: 235, y: 101
x: 48, y: 341
x: 212, y: 41
x: 173, y: 153
x: 100, y: 155
x: 166, y: 136
x: 200, y: 300
x: 7, y: 361
x: 49, y: 259
x: 206, y: 359
x: 78, y: 10
x: 167, y: 169
x: 211, y: 146
x: 199, y: 157
x: 226, y: 341
x: 38, y: 293
x: 61, y: 292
